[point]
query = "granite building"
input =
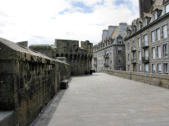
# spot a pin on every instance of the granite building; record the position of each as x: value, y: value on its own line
x: 110, y: 52
x: 147, y: 39
x: 79, y: 58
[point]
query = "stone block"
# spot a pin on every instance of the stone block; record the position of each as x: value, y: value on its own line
x: 64, y: 84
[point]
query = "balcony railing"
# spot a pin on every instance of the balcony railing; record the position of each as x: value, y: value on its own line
x: 145, y: 59
x: 106, y: 65
x: 95, y: 58
x: 134, y: 61
x: 106, y: 56
x: 133, y: 49
x: 145, y: 45
x: 95, y: 65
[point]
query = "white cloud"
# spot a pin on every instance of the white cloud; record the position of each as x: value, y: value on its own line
x: 87, y: 2
x: 39, y: 21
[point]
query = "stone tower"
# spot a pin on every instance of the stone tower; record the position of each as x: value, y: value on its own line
x: 145, y: 6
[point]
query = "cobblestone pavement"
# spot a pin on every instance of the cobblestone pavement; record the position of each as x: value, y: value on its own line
x: 105, y: 100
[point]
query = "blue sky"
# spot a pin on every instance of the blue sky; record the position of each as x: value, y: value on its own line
x: 81, y: 7
x: 40, y: 22
x: 127, y: 3
x: 119, y: 2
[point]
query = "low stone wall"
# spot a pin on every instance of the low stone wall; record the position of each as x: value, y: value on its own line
x: 153, y: 79
x: 28, y: 81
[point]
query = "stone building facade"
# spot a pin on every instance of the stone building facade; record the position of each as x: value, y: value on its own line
x: 110, y: 52
x: 28, y: 81
x: 79, y: 58
x: 147, y: 40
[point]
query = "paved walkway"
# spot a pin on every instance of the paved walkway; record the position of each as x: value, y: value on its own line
x: 104, y: 100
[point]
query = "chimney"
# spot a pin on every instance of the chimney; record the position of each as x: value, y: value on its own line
x: 104, y: 35
x: 145, y: 6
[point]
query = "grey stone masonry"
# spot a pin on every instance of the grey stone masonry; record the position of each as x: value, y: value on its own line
x: 110, y: 52
x: 79, y: 58
x: 147, y: 40
x: 28, y: 81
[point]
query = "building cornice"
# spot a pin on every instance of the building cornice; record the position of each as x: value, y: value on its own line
x: 108, y: 47
x: 148, y: 26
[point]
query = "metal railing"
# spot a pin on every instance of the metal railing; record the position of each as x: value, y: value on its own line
x: 145, y: 45
x: 145, y: 59
x: 133, y: 48
x: 134, y: 60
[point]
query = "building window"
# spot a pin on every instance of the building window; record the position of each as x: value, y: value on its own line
x: 120, y: 60
x: 128, y: 67
x: 139, y: 42
x: 153, y: 68
x: 139, y: 55
x: 155, y: 15
x: 158, y: 51
x: 153, y: 53
x: 128, y: 57
x: 146, y: 67
x: 145, y: 22
x: 159, y: 67
x: 138, y: 26
x: 139, y: 67
x: 146, y: 54
x: 165, y: 66
x: 145, y: 39
x: 158, y: 34
x: 153, y: 36
x: 128, y: 46
x: 134, y: 55
x: 165, y: 50
x: 134, y: 68
x: 119, y: 50
x: 164, y: 31
x: 135, y: 29
x: 119, y: 40
x: 134, y: 44
x: 167, y: 8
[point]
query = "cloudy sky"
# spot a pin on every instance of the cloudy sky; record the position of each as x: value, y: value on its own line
x: 42, y: 21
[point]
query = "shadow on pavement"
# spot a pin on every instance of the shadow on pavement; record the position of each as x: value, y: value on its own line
x: 94, y: 74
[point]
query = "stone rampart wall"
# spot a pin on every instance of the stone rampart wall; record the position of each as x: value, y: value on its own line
x: 28, y: 81
x: 161, y: 80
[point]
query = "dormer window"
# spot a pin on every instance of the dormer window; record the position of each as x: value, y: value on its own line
x: 155, y: 15
x: 128, y: 32
x: 138, y: 26
x: 119, y: 40
x: 134, y: 28
x: 167, y: 8
x: 145, y: 23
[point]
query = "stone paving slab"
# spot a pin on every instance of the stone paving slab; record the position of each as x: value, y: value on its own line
x: 105, y: 100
